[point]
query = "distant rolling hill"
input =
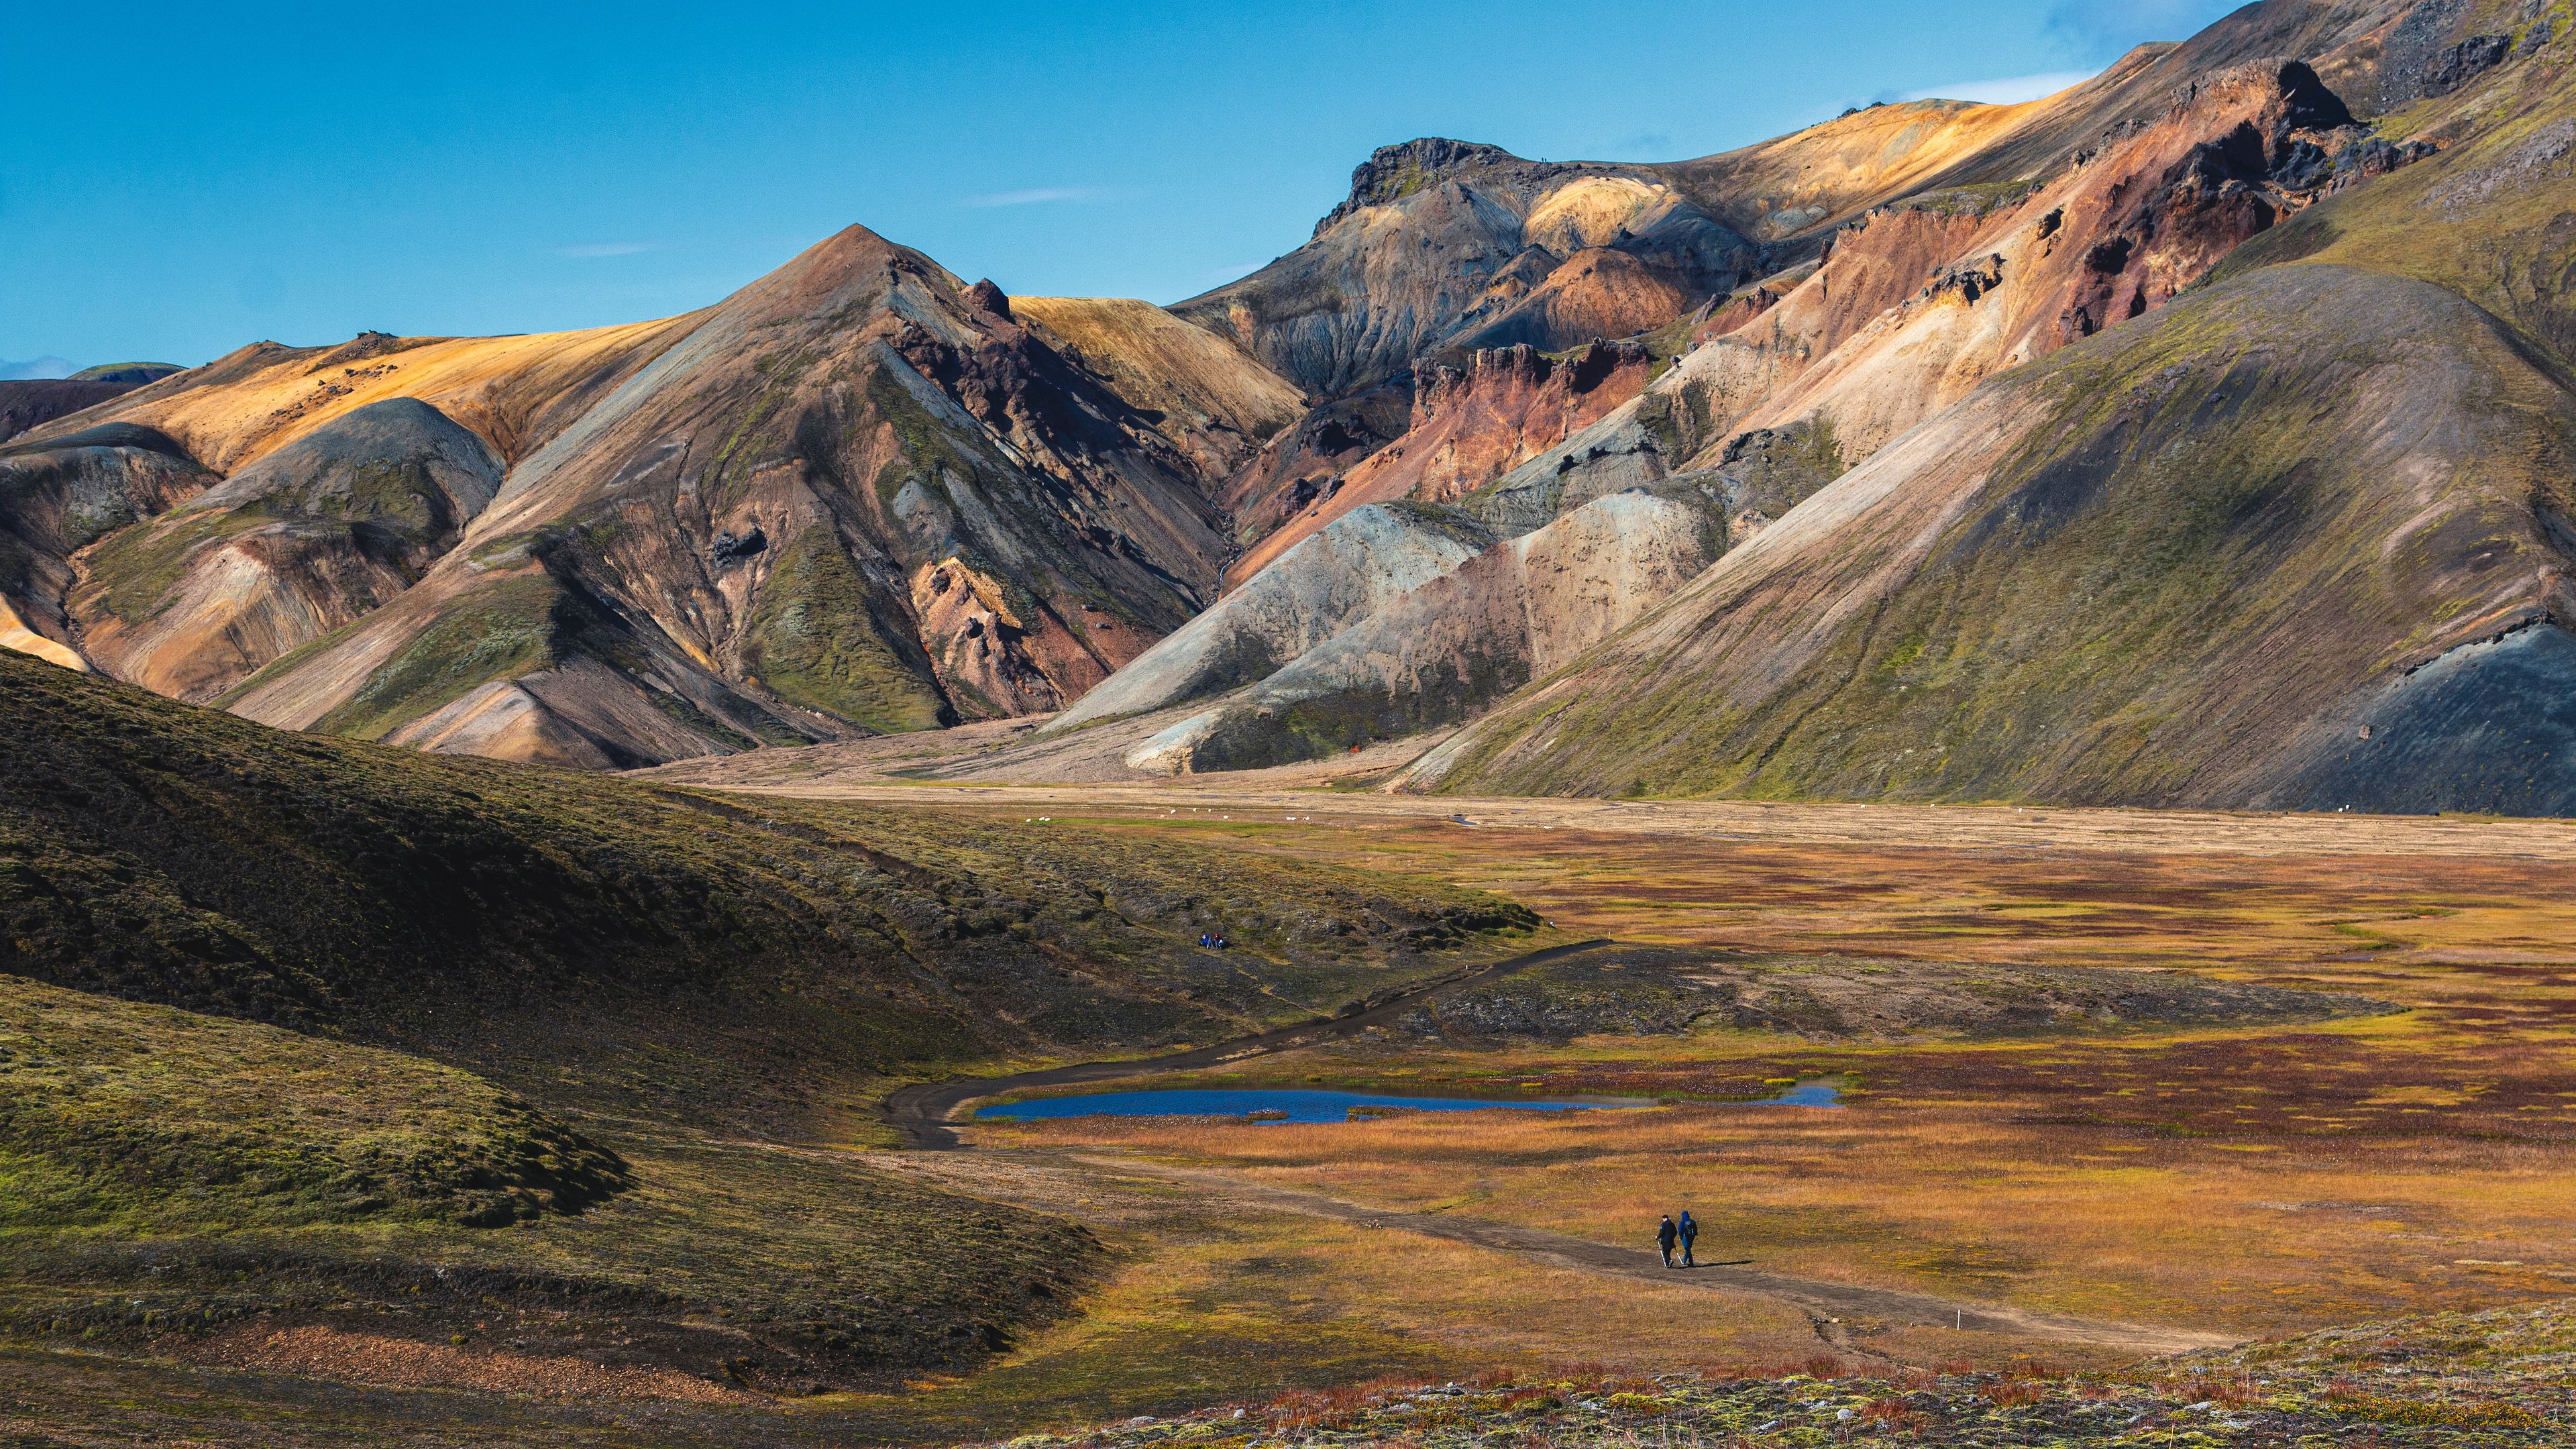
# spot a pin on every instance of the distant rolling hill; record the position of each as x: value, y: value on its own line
x: 170, y: 853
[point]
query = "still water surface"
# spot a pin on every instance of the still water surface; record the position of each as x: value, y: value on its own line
x: 1310, y: 1105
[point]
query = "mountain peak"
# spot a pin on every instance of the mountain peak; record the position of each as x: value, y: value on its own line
x: 1392, y: 173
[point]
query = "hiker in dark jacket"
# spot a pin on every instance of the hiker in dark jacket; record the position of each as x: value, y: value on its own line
x: 1665, y: 1233
x: 1690, y: 1234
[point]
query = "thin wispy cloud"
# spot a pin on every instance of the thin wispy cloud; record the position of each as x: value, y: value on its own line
x: 41, y: 367
x: 1042, y: 195
x: 2005, y: 91
x: 607, y: 249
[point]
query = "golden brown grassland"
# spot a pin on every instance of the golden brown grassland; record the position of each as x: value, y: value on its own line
x: 2248, y: 1180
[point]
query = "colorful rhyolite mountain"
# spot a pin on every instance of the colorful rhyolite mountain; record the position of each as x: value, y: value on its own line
x: 858, y: 495
x: 1941, y: 450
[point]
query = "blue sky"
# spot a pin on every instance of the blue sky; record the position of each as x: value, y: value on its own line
x: 179, y: 180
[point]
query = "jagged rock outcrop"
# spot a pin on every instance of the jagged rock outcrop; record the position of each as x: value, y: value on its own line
x: 1442, y: 240
x: 1471, y: 423
x: 1446, y: 650
x: 1344, y: 573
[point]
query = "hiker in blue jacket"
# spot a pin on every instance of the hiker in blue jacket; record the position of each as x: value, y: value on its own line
x: 1689, y: 1233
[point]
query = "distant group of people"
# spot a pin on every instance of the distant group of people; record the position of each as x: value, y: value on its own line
x: 1211, y: 943
x: 1670, y: 1234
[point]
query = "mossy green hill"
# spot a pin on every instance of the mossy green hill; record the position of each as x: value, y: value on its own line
x: 300, y: 1035
x: 173, y: 854
x: 115, y: 1111
x: 2205, y: 558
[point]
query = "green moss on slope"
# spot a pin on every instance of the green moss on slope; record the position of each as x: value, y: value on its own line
x: 2215, y: 524
x: 502, y: 631
x: 166, y: 1178
x: 929, y: 449
x: 814, y: 641
x: 135, y: 569
x: 161, y: 1118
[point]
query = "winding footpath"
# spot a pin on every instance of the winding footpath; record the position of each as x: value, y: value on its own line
x: 921, y: 1114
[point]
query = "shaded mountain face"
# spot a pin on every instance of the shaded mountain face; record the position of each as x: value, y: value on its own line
x: 857, y: 496
x: 1304, y: 463
x: 1209, y: 397
x: 30, y: 403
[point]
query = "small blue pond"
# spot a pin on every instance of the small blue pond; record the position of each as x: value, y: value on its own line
x: 1304, y: 1105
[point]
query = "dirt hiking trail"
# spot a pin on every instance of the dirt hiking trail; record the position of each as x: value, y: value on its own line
x: 921, y: 1113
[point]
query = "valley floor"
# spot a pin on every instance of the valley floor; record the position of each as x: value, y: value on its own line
x: 2217, y: 1180
x: 2346, y: 1094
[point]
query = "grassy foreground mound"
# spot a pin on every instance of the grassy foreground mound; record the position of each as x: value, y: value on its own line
x: 114, y: 1111
x: 319, y: 1057
x: 512, y: 916
x: 2506, y: 1377
x: 233, y: 1193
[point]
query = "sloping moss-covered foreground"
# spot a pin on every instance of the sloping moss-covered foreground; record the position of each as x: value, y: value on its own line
x: 157, y: 852
x: 316, y: 1052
